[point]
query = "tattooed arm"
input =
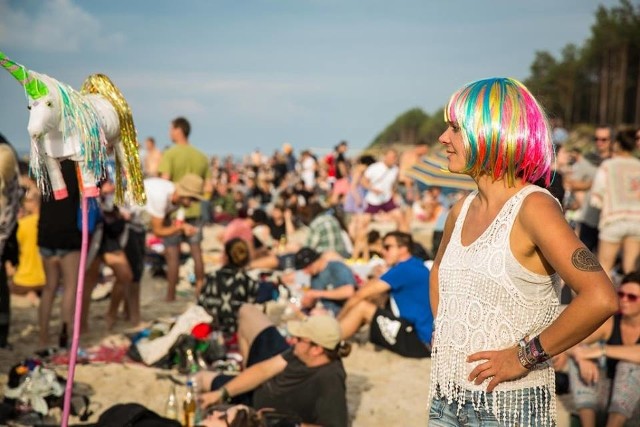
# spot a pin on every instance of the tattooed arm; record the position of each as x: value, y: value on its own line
x: 595, y: 301
x: 542, y: 241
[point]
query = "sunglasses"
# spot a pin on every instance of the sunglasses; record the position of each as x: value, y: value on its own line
x: 630, y: 297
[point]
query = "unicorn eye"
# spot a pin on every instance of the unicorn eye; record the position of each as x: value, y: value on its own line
x: 49, y: 104
x: 28, y: 107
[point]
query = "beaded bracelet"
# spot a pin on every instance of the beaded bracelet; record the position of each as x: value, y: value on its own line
x: 537, y: 350
x: 522, y: 358
x: 531, y: 353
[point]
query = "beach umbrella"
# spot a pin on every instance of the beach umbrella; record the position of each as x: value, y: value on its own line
x: 432, y: 171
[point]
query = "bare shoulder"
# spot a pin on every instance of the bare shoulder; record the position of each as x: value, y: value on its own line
x: 540, y: 207
x: 456, y: 208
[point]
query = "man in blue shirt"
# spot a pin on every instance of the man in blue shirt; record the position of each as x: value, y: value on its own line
x: 406, y: 324
x: 332, y: 282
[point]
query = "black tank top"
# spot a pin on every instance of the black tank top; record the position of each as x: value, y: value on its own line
x: 615, y: 339
x: 58, y: 222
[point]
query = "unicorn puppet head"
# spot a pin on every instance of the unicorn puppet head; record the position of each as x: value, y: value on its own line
x: 62, y: 125
x: 42, y: 101
x: 44, y: 113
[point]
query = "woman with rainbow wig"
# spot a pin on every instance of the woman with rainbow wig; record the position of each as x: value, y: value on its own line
x: 496, y: 277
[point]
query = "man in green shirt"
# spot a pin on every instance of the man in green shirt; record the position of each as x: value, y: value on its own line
x: 179, y: 160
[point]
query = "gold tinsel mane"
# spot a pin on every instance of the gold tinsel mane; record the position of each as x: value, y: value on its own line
x: 102, y: 85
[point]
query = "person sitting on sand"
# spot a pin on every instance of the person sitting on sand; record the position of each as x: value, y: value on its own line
x: 325, y: 235
x: 332, y: 282
x: 228, y: 288
x: 604, y: 372
x: 405, y: 325
x: 306, y: 380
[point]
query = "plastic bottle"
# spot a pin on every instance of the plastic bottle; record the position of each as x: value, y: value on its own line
x: 171, y: 409
x: 189, y: 406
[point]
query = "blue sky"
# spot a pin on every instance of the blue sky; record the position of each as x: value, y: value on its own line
x: 256, y: 73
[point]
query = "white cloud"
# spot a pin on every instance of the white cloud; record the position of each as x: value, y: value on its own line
x: 261, y: 98
x: 178, y: 105
x: 54, y: 26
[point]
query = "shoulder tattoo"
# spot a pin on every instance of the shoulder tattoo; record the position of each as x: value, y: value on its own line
x: 584, y: 260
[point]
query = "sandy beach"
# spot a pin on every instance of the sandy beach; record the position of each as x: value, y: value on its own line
x: 383, y: 389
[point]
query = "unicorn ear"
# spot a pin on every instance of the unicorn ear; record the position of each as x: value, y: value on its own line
x: 34, y: 87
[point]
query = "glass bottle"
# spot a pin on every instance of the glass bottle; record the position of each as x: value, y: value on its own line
x: 282, y: 244
x: 192, y: 364
x: 189, y: 406
x: 171, y: 409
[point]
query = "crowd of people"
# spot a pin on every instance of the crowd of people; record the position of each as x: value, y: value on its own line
x: 546, y: 214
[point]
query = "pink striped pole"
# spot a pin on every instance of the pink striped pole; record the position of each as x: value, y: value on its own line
x: 78, y: 313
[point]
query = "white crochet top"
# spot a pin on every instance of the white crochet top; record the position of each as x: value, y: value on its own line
x: 489, y: 301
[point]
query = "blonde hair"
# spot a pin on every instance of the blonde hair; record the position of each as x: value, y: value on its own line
x: 8, y: 171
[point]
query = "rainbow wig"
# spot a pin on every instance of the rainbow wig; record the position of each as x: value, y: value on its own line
x: 505, y: 131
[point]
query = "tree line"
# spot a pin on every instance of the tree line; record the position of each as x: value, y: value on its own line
x: 596, y: 83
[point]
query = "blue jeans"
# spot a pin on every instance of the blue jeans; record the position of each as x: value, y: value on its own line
x: 443, y: 414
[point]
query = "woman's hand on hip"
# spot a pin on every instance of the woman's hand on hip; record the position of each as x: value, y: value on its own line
x: 498, y: 366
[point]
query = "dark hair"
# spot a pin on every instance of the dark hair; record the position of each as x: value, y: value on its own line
x: 626, y: 140
x: 419, y: 251
x: 259, y: 216
x: 633, y: 277
x: 367, y: 160
x: 152, y: 139
x: 23, y: 167
x: 402, y: 239
x: 343, y: 349
x: 245, y: 417
x: 309, y: 212
x: 237, y: 251
x: 373, y: 236
x: 243, y: 212
x: 182, y: 124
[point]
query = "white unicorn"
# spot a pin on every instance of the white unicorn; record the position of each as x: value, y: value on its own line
x: 67, y: 124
